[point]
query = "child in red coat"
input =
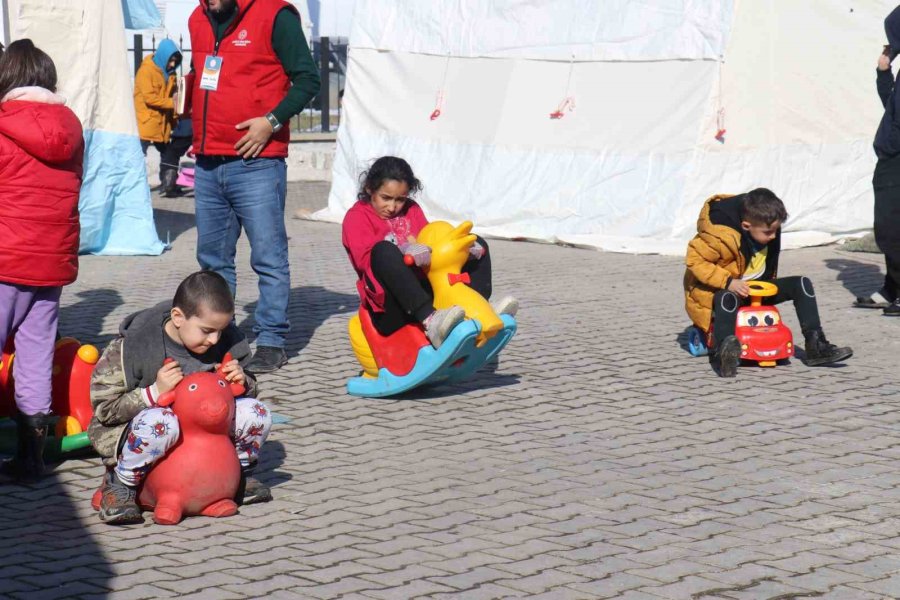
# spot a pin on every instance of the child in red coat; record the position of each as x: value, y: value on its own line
x: 41, y: 154
x: 378, y: 230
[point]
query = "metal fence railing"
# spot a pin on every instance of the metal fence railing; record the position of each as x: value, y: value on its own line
x: 323, y: 112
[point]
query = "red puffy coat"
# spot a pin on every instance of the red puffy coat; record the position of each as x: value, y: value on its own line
x: 41, y: 155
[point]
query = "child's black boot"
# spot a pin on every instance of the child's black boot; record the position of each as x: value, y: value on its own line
x: 819, y: 351
x: 27, y: 465
x: 118, y: 502
x: 727, y: 357
x: 251, y: 490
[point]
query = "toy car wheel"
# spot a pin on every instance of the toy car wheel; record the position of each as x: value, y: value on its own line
x: 696, y: 343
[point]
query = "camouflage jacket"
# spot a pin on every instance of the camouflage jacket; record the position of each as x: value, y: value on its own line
x: 115, y: 405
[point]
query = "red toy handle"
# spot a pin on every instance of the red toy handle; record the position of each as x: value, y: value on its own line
x: 236, y: 388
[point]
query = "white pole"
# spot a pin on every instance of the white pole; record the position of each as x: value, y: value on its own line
x: 4, y: 16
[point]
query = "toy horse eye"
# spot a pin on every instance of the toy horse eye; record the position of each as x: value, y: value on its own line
x: 753, y: 321
x: 770, y: 320
x: 192, y: 387
x: 221, y: 383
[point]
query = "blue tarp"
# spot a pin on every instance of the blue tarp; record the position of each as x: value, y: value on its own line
x: 141, y: 14
x: 115, y: 210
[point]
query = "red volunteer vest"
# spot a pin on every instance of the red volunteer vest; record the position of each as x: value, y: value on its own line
x: 252, y: 80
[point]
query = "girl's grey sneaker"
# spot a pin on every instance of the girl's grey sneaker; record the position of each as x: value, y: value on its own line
x: 507, y: 305
x: 440, y: 323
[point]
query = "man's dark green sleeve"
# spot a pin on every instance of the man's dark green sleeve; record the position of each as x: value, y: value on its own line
x: 292, y: 50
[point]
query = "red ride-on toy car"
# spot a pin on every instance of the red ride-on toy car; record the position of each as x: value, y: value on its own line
x: 764, y: 338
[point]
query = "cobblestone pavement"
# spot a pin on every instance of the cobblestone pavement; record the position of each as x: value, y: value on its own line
x: 598, y: 460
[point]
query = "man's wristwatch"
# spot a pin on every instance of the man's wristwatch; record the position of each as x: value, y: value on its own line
x: 273, y: 122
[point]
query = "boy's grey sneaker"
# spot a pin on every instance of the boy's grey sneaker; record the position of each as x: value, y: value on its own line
x: 507, y: 305
x: 267, y: 359
x: 252, y: 491
x: 118, y: 502
x: 728, y: 355
x: 441, y: 322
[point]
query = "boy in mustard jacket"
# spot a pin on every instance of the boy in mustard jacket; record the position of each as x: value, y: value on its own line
x: 154, y: 106
x: 738, y: 240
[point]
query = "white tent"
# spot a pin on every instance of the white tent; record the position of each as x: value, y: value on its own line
x: 640, y: 91
x: 86, y: 40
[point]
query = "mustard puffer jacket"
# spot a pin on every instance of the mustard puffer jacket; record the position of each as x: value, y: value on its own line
x: 713, y: 258
x: 153, y: 103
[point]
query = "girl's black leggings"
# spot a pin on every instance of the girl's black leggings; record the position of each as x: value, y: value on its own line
x: 408, y: 297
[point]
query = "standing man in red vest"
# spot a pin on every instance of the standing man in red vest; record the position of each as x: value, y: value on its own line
x: 252, y: 71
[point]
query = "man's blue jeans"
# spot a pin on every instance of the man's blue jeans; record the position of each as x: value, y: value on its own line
x: 233, y: 194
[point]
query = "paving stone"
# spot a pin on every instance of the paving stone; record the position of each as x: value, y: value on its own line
x: 596, y: 459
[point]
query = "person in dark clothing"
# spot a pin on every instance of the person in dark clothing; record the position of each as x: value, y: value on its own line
x: 886, y: 180
x: 738, y: 240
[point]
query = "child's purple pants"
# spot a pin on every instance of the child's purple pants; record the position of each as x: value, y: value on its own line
x: 30, y: 315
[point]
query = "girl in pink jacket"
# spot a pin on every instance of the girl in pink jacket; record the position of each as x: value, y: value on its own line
x: 378, y: 230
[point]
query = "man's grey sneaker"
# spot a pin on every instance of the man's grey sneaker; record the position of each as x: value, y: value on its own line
x: 728, y: 356
x: 893, y: 309
x: 880, y: 299
x: 507, y: 305
x: 267, y: 359
x: 118, y: 502
x: 441, y: 322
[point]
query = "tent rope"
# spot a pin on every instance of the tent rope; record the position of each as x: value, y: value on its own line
x: 568, y: 102
x: 439, y: 97
x: 720, y: 112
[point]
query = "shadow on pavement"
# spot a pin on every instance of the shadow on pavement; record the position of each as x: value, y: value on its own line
x: 170, y: 223
x: 271, y: 458
x: 84, y: 319
x: 47, y: 551
x: 857, y: 277
x: 309, y: 307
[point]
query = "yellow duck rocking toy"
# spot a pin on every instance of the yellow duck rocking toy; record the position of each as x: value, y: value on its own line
x: 405, y: 359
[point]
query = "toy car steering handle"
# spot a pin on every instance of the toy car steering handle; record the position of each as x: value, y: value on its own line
x: 759, y: 290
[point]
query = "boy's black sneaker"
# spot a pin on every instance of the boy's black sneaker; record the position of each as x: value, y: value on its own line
x: 728, y: 356
x: 267, y: 359
x: 893, y: 309
x: 118, y: 502
x: 819, y: 351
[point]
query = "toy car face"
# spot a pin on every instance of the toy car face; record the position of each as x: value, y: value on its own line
x: 763, y: 337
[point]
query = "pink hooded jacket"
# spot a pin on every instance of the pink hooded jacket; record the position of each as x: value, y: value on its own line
x: 361, y: 230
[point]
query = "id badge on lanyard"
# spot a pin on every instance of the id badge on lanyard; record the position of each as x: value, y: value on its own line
x: 212, y: 68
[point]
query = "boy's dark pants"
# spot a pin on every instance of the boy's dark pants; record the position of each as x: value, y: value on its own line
x: 798, y: 289
x: 408, y: 298
x: 886, y: 183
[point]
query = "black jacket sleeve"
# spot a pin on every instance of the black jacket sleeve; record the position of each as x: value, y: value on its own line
x: 885, y: 85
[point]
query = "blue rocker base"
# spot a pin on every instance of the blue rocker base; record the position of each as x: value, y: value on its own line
x: 455, y: 360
